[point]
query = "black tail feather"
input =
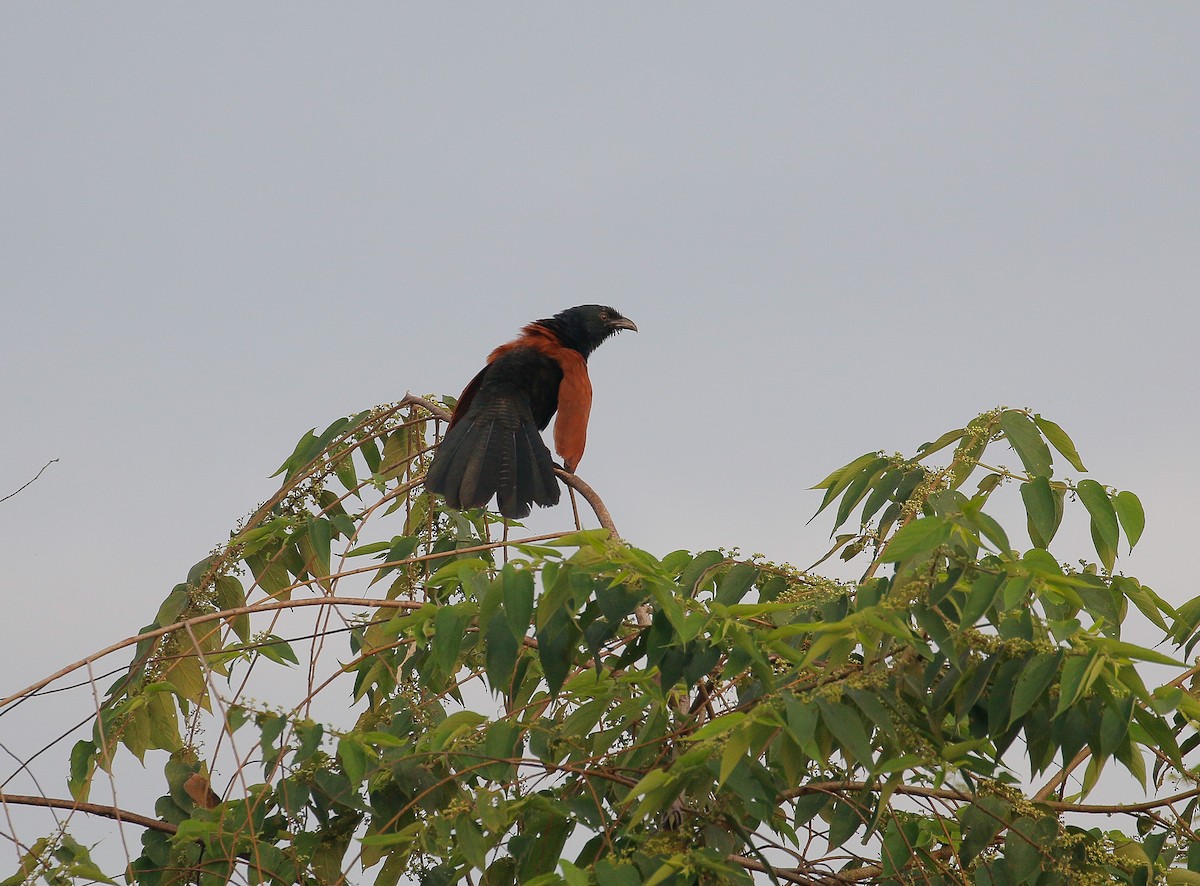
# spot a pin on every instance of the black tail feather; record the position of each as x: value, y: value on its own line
x: 494, y: 453
x: 543, y: 484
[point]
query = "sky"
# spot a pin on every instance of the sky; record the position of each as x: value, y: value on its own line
x: 839, y: 228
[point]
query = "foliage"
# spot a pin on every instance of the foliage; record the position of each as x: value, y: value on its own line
x: 572, y: 709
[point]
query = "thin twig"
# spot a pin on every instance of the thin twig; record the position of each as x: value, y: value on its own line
x: 31, y: 482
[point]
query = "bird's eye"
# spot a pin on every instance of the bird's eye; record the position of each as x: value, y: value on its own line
x: 604, y: 315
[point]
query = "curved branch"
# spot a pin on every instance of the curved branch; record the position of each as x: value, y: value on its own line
x: 592, y: 497
x: 435, y: 409
x: 119, y: 815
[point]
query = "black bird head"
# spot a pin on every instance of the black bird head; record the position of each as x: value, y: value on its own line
x: 585, y: 327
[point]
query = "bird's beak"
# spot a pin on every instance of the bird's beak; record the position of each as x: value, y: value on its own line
x: 624, y: 323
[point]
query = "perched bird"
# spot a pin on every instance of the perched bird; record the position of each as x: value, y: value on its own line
x: 493, y: 445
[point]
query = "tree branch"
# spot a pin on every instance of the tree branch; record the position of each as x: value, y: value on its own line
x: 827, y: 787
x: 592, y: 497
x: 112, y: 812
x: 790, y: 875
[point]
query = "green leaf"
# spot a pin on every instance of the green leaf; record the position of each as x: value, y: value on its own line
x: 373, y: 548
x: 448, y: 626
x: 700, y: 568
x: 1031, y: 686
x: 1133, y: 519
x: 941, y: 442
x: 556, y: 646
x: 858, y: 488
x: 1026, y: 844
x: 278, y: 650
x: 501, y: 744
x: 1151, y: 605
x: 841, y: 478
x: 353, y: 758
x: 719, y: 726
x: 397, y: 452
x: 881, y: 493
x: 735, y: 583
x: 1074, y: 682
x: 1104, y: 520
x: 518, y: 598
x: 231, y: 595
x: 868, y: 701
x: 1114, y: 724
x: 1158, y: 735
x: 1026, y: 441
x: 981, y: 821
x: 502, y: 648
x: 469, y: 839
x: 343, y: 466
x: 382, y: 739
x: 987, y: 524
x: 899, y: 841
x: 574, y: 876
x: 609, y: 874
x: 990, y: 482
x: 1042, y: 563
x: 1121, y: 649
x: 846, y: 471
x: 917, y: 537
x: 1059, y: 440
x: 457, y: 724
x: 83, y: 764
x: 1041, y: 510
x: 847, y: 727
x: 667, y: 869
x: 983, y: 594
x: 657, y: 788
x: 844, y: 821
x: 736, y: 747
x: 319, y: 535
x: 172, y: 607
x: 270, y: 574
x: 306, y: 450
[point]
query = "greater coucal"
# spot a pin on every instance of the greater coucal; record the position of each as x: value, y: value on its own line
x: 492, y: 445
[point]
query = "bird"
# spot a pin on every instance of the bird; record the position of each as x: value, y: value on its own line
x: 493, y: 445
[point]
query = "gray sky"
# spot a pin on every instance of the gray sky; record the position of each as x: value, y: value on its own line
x: 840, y: 227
